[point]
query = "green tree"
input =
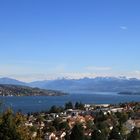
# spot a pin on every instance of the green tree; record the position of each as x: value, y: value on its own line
x: 79, y: 106
x: 12, y: 127
x: 115, y: 134
x: 56, y: 123
x: 63, y: 125
x: 90, y: 124
x: 55, y: 109
x: 135, y: 134
x: 77, y: 132
x: 100, y: 117
x: 97, y: 135
x: 122, y: 117
x: 67, y: 137
x: 69, y: 105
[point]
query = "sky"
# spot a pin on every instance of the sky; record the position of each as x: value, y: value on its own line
x: 47, y: 39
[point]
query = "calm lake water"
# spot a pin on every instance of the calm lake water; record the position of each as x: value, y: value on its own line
x: 39, y: 103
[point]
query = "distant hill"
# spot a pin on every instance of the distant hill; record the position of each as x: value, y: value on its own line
x: 14, y: 90
x: 129, y: 93
x: 11, y: 81
x: 98, y: 84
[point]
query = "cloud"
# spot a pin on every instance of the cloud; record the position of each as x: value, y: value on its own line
x: 31, y: 77
x: 50, y: 76
x: 78, y: 75
x: 123, y: 27
x: 94, y: 68
x: 134, y: 74
x: 72, y: 75
x: 137, y: 72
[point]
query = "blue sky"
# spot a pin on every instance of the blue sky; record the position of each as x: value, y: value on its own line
x: 44, y: 39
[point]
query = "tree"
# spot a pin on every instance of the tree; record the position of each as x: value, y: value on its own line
x: 122, y: 117
x: 97, y: 135
x: 63, y: 125
x: 55, y: 109
x: 67, y: 137
x: 79, y: 106
x: 135, y: 134
x: 90, y: 124
x: 115, y: 134
x: 104, y: 128
x: 77, y: 132
x: 69, y: 105
x: 100, y: 117
x: 12, y: 127
x: 56, y: 123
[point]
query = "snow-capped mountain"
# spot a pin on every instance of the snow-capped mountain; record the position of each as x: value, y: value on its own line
x: 94, y: 84
x: 100, y: 84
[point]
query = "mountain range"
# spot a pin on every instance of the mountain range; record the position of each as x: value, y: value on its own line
x: 98, y: 84
x: 9, y: 81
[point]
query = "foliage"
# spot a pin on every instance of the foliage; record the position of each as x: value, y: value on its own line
x: 79, y: 105
x: 55, y: 109
x: 135, y: 134
x: 63, y: 126
x: 77, y: 132
x: 115, y: 134
x: 98, y: 135
x: 12, y: 127
x: 56, y: 123
x: 122, y: 117
x: 100, y: 117
x: 69, y: 105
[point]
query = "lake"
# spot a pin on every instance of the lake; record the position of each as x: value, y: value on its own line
x: 39, y: 103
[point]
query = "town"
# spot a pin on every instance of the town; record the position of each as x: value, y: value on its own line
x: 20, y: 90
x: 78, y: 122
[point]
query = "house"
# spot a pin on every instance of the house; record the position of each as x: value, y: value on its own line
x: 114, y: 110
x: 73, y: 112
x: 55, y: 136
x: 34, y: 134
x: 130, y: 124
x: 49, y: 136
x: 102, y: 105
x: 137, y: 123
x: 62, y: 135
x: 29, y: 124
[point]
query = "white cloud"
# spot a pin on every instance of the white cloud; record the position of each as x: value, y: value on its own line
x: 137, y: 72
x: 92, y: 68
x: 60, y: 72
x: 134, y: 74
x: 78, y: 75
x: 49, y: 76
x: 71, y: 75
x: 31, y: 77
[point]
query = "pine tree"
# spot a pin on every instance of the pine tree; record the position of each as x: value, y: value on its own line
x: 98, y: 135
x: 77, y: 132
x: 115, y: 134
x: 135, y: 135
